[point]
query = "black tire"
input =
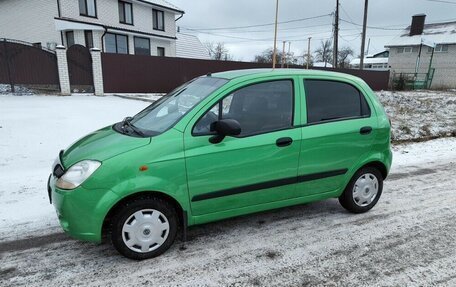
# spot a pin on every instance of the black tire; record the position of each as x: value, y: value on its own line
x: 144, y: 205
x: 347, y: 199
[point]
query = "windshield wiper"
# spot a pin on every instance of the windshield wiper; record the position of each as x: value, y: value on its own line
x: 126, y: 123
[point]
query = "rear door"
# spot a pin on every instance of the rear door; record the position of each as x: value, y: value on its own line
x: 257, y: 167
x: 339, y: 128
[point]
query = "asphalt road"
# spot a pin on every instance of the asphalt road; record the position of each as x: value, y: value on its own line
x: 408, y: 239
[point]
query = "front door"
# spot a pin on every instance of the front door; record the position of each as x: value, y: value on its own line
x: 260, y: 165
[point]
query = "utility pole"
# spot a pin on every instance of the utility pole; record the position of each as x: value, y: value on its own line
x: 308, y: 52
x: 283, y: 55
x: 363, y: 38
x: 288, y: 54
x: 336, y: 35
x: 274, y: 55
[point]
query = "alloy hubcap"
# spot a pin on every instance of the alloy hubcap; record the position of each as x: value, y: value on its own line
x: 365, y: 189
x: 145, y: 230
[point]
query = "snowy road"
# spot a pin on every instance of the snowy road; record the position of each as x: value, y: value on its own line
x: 408, y: 239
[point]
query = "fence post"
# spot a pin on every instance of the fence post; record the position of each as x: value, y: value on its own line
x: 97, y: 71
x: 64, y: 76
x: 8, y: 67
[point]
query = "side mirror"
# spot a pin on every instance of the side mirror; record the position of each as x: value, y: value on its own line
x: 223, y: 128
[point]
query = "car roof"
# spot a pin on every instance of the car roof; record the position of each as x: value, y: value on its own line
x: 279, y: 72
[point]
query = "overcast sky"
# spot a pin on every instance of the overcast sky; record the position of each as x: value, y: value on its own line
x: 245, y: 43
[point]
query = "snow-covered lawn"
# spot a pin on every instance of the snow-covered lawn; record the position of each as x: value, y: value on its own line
x: 410, y: 234
x: 420, y: 114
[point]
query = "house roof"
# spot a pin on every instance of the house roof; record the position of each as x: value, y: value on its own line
x: 438, y: 33
x: 189, y: 46
x: 163, y: 4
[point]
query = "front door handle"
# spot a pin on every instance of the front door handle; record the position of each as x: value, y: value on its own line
x: 283, y: 142
x: 365, y: 130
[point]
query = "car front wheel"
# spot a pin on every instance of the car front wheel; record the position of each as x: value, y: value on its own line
x: 363, y: 191
x: 144, y: 228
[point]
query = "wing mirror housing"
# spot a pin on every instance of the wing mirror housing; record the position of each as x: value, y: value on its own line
x: 224, y: 128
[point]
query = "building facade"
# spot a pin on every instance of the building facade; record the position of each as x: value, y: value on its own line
x: 412, y: 51
x: 141, y: 27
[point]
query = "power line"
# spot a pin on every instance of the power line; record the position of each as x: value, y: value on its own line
x: 372, y: 27
x: 259, y: 25
x: 442, y: 1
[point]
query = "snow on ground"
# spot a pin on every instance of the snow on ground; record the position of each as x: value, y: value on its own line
x: 33, y: 129
x: 420, y: 114
x: 407, y: 239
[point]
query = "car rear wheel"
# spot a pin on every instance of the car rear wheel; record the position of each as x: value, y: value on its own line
x: 363, y: 191
x: 144, y: 228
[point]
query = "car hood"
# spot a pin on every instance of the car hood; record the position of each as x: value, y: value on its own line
x: 101, y: 145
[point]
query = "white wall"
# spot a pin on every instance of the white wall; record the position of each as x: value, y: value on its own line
x: 30, y: 21
x: 108, y: 14
x: 443, y: 62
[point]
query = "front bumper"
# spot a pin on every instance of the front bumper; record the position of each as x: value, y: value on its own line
x: 81, y: 211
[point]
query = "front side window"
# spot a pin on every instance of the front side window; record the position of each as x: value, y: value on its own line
x: 164, y: 113
x: 142, y: 46
x: 331, y: 100
x: 125, y: 13
x: 259, y: 108
x: 88, y: 8
x: 158, y: 18
x: 115, y: 43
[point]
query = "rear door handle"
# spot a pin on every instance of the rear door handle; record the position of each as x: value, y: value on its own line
x: 365, y: 130
x: 282, y: 142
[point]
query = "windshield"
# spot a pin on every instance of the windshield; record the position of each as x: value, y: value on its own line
x: 164, y: 113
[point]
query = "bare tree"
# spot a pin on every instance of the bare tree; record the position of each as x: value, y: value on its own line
x: 324, y: 52
x: 266, y: 57
x: 218, y: 51
x: 344, y: 56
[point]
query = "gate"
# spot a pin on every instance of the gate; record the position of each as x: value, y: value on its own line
x: 23, y: 65
x: 80, y: 69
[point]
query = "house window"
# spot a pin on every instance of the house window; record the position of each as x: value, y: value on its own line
x: 125, y: 13
x: 439, y: 48
x: 88, y: 8
x: 158, y: 19
x: 70, y: 38
x: 88, y: 35
x: 115, y: 43
x: 142, y: 46
x: 160, y: 51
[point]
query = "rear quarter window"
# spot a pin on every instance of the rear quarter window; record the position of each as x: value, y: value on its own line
x: 332, y: 100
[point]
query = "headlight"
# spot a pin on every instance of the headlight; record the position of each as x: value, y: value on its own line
x: 77, y: 174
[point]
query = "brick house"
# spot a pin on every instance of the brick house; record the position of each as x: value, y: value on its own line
x: 142, y: 27
x: 411, y: 51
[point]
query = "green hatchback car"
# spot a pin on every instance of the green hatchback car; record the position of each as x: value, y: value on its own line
x: 219, y: 146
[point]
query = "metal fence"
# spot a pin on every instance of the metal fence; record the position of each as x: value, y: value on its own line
x: 149, y: 74
x: 27, y: 65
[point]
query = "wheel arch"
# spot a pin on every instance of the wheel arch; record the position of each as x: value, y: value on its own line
x: 106, y: 227
x: 378, y: 165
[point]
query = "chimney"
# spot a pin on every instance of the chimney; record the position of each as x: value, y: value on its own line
x: 417, y: 24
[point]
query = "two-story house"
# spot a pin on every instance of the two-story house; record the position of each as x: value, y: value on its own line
x: 141, y: 27
x: 422, y: 46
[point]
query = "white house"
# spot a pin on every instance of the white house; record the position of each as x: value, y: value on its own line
x: 376, y: 62
x: 142, y: 27
x: 189, y: 46
x: 412, y: 50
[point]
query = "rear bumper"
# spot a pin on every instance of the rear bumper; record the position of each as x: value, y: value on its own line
x: 81, y: 211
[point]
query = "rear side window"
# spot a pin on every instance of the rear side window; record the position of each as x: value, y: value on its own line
x: 332, y: 100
